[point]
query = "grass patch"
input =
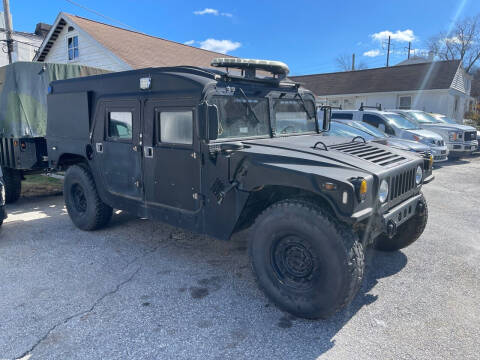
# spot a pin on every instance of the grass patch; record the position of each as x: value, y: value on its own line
x: 39, y: 185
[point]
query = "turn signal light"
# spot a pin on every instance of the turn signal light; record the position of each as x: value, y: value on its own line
x: 363, y: 188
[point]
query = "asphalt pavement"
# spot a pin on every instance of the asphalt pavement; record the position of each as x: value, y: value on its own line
x: 144, y: 290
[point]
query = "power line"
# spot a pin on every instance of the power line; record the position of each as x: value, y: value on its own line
x: 101, y: 15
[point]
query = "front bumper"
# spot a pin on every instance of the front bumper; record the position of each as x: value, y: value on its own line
x: 463, y: 148
x: 401, y: 214
x: 440, y: 153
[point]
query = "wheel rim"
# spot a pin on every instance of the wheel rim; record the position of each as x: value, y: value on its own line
x: 79, y: 199
x: 293, y: 262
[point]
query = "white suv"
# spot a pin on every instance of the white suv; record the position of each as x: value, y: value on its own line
x: 397, y: 125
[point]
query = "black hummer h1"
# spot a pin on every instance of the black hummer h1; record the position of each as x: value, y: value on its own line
x: 215, y: 153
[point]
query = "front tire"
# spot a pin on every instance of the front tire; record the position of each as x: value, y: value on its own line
x: 305, y: 261
x: 13, y: 184
x: 85, y: 208
x: 407, y: 233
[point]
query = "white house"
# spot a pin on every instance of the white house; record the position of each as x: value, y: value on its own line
x: 74, y: 39
x: 440, y: 87
x: 25, y: 45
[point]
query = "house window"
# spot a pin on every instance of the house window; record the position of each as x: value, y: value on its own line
x: 455, y: 104
x: 72, y: 45
x: 405, y: 102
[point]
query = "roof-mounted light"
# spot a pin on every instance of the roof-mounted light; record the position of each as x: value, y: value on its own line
x: 251, y: 65
x: 145, y: 83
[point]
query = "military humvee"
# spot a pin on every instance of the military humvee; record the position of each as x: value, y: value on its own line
x: 216, y: 152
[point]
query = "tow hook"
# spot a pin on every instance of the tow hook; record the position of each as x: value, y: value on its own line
x: 391, y: 229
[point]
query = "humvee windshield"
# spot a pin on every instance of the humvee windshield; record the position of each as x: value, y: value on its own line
x: 239, y: 119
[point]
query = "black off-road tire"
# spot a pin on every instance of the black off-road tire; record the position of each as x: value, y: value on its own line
x: 84, y: 206
x: 308, y: 263
x: 407, y: 233
x: 13, y: 184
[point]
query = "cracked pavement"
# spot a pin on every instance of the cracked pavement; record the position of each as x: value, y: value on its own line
x: 144, y: 290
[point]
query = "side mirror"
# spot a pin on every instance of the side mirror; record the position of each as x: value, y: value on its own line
x: 212, y: 121
x: 327, y: 117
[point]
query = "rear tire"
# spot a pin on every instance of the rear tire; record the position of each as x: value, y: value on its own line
x: 13, y: 184
x: 308, y: 263
x: 407, y: 233
x: 85, y: 208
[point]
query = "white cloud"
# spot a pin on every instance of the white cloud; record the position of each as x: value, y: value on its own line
x: 210, y: 11
x: 399, y: 35
x: 189, y: 42
x: 221, y: 46
x: 372, y: 53
x: 206, y: 11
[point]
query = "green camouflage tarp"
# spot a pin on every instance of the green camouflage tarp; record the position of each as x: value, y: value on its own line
x: 23, y: 95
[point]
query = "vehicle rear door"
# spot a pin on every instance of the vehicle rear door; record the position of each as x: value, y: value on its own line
x: 118, y: 150
x: 172, y: 161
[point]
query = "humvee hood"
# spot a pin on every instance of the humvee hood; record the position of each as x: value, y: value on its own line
x: 337, y: 152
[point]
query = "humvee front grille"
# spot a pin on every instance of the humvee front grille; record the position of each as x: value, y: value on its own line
x: 368, y: 152
x: 402, y: 183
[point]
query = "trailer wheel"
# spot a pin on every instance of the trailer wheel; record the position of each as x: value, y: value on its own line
x: 308, y: 263
x: 406, y: 235
x: 13, y: 184
x: 85, y: 208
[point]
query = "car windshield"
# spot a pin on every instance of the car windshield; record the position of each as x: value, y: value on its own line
x: 343, y: 130
x: 400, y: 122
x: 237, y: 118
x: 372, y: 130
x: 293, y: 116
x: 423, y: 118
x: 445, y: 120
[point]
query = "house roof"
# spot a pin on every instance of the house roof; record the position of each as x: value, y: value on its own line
x: 136, y: 49
x: 424, y: 76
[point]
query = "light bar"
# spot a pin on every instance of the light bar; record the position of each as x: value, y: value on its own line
x: 274, y: 67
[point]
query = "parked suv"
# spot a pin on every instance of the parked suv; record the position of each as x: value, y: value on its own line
x: 397, y: 125
x: 460, y: 139
x: 216, y: 153
x: 3, y: 213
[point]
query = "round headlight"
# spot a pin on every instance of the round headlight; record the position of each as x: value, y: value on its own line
x: 419, y: 175
x: 383, y: 191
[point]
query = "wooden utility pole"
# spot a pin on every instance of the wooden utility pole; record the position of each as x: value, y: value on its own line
x: 388, y: 50
x: 353, y: 62
x: 8, y: 28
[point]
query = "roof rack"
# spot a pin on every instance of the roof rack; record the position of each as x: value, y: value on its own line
x: 376, y: 107
x: 278, y: 69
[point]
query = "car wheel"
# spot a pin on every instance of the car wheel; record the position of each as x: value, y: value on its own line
x: 306, y: 262
x: 84, y: 206
x: 13, y: 184
x: 407, y: 233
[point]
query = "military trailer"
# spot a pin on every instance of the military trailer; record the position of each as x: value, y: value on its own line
x: 216, y: 152
x: 23, y: 118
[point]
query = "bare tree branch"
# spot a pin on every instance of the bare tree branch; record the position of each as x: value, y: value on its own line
x: 344, y: 63
x: 462, y: 43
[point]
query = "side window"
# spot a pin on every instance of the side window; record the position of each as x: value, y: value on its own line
x: 373, y: 120
x: 72, y: 47
x: 120, y: 125
x: 346, y: 116
x: 176, y: 127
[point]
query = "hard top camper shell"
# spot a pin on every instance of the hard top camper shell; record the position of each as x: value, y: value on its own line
x: 214, y: 152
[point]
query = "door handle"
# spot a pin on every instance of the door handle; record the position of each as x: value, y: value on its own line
x: 148, y: 151
x: 99, y: 147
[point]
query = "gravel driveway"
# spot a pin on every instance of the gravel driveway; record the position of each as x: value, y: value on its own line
x: 144, y: 290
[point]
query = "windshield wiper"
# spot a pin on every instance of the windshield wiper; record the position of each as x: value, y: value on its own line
x: 304, y: 105
x: 249, y: 107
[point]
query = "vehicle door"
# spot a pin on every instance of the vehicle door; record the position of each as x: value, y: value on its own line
x: 118, y: 148
x: 379, y: 123
x: 172, y: 160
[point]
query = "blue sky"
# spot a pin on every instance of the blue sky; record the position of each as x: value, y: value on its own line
x: 306, y: 34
